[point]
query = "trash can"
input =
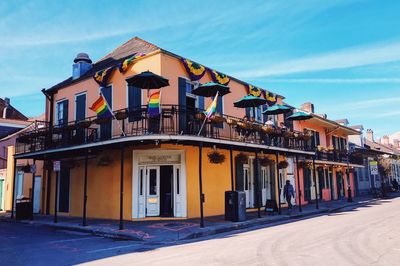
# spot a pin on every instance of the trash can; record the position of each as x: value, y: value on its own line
x: 235, y: 206
x: 23, y: 209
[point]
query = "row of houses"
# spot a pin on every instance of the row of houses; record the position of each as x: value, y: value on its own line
x: 178, y: 165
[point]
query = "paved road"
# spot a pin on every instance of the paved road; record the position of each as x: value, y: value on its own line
x: 362, y: 236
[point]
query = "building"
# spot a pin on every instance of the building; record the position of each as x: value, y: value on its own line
x: 330, y: 175
x: 141, y: 167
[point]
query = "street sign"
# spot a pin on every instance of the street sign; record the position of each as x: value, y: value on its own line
x: 56, y: 166
x: 373, y: 166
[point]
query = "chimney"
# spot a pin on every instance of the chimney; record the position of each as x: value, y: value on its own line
x: 7, y: 104
x: 82, y: 64
x: 308, y: 107
x: 396, y: 143
x: 385, y: 140
x: 370, y: 135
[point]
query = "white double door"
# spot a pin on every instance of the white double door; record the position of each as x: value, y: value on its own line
x: 266, y: 184
x: 248, y: 185
x: 149, y: 191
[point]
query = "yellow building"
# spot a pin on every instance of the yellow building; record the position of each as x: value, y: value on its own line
x: 137, y: 166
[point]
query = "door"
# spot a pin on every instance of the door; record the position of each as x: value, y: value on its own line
x: 178, y: 193
x: 166, y: 191
x: 142, y: 191
x: 307, y: 184
x: 64, y: 190
x: 36, y: 194
x: 19, y: 185
x: 153, y: 191
x: 1, y: 194
x: 321, y: 182
x: 265, y: 184
x: 106, y: 129
x: 247, y: 186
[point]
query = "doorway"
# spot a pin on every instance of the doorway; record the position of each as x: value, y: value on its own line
x: 166, y: 191
x: 266, y: 184
x: 248, y: 186
x: 1, y: 194
x: 36, y: 193
x: 307, y: 184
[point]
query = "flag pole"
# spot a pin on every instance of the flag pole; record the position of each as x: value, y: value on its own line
x: 112, y: 113
x: 207, y: 115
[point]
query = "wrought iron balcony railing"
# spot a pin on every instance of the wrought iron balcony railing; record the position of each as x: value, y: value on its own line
x: 173, y: 120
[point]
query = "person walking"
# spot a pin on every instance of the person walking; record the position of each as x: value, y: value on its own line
x: 288, y: 192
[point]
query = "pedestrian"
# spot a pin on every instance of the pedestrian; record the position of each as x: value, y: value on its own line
x: 288, y: 192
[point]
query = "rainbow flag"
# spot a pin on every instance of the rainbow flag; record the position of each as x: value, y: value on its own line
x: 101, y: 108
x: 154, y: 104
x: 212, y: 108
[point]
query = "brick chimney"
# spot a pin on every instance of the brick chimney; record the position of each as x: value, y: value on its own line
x: 308, y: 107
x: 385, y: 140
x: 396, y: 143
x: 370, y: 135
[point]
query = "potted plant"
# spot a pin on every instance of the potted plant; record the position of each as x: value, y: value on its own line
x: 84, y: 123
x: 267, y: 129
x: 215, y: 157
x: 231, y: 121
x: 217, y: 118
x: 242, y: 158
x: 320, y: 148
x: 330, y: 148
x: 121, y: 115
x: 101, y: 121
x: 200, y: 116
x: 266, y: 161
x: 283, y: 164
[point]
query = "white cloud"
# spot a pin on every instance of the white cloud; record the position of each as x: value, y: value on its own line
x: 345, y: 58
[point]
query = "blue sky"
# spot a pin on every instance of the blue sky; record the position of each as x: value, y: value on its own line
x: 343, y: 55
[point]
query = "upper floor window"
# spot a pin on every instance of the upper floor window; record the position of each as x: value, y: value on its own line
x: 61, y: 113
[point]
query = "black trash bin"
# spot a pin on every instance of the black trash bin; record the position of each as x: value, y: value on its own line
x: 23, y: 209
x: 235, y: 206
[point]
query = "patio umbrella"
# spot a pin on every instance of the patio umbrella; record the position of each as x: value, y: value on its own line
x: 147, y: 80
x: 250, y: 101
x: 210, y: 89
x: 299, y: 116
x: 277, y: 109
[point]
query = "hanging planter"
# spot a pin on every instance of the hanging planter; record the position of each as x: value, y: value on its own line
x: 101, y: 121
x: 121, y: 115
x: 216, y: 157
x: 242, y: 158
x: 268, y: 129
x: 283, y: 164
x: 266, y: 161
x: 84, y: 124
x: 304, y: 164
x: 231, y: 121
x: 217, y: 118
x: 200, y: 116
x: 26, y: 168
x: 321, y: 148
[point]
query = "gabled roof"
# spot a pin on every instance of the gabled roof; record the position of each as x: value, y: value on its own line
x: 11, y: 112
x: 134, y: 45
x: 380, y: 147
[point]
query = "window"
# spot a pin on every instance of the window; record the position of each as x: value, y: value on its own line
x: 177, y: 181
x: 141, y: 183
x: 153, y: 182
x: 62, y: 113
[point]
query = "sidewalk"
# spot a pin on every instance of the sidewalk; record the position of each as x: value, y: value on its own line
x: 174, y: 230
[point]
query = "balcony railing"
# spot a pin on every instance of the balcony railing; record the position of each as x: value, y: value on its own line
x: 173, y: 120
x: 333, y: 156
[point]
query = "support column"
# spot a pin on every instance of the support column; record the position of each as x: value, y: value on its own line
x: 201, y: 185
x: 121, y: 195
x: 48, y: 187
x: 33, y: 187
x: 298, y: 182
x: 315, y: 183
x: 13, y: 189
x: 231, y: 161
x: 279, y: 182
x: 56, y: 197
x: 256, y: 177
x: 84, y: 222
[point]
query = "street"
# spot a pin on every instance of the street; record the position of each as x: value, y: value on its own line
x: 356, y: 236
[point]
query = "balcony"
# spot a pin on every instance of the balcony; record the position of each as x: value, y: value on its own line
x: 173, y: 120
x: 339, y: 156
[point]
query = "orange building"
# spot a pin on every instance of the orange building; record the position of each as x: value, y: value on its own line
x: 333, y: 176
x: 136, y: 166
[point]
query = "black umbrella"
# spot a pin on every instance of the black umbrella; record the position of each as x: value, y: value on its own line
x: 250, y: 101
x: 210, y: 89
x: 147, y: 80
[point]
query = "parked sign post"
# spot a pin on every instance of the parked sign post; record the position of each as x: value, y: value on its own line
x: 56, y: 168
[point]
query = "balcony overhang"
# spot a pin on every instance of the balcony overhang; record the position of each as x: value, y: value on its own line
x: 331, y: 163
x: 184, y: 139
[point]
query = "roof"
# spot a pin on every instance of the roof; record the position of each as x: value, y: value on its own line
x: 380, y: 147
x: 357, y: 127
x: 134, y: 45
x: 11, y: 112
